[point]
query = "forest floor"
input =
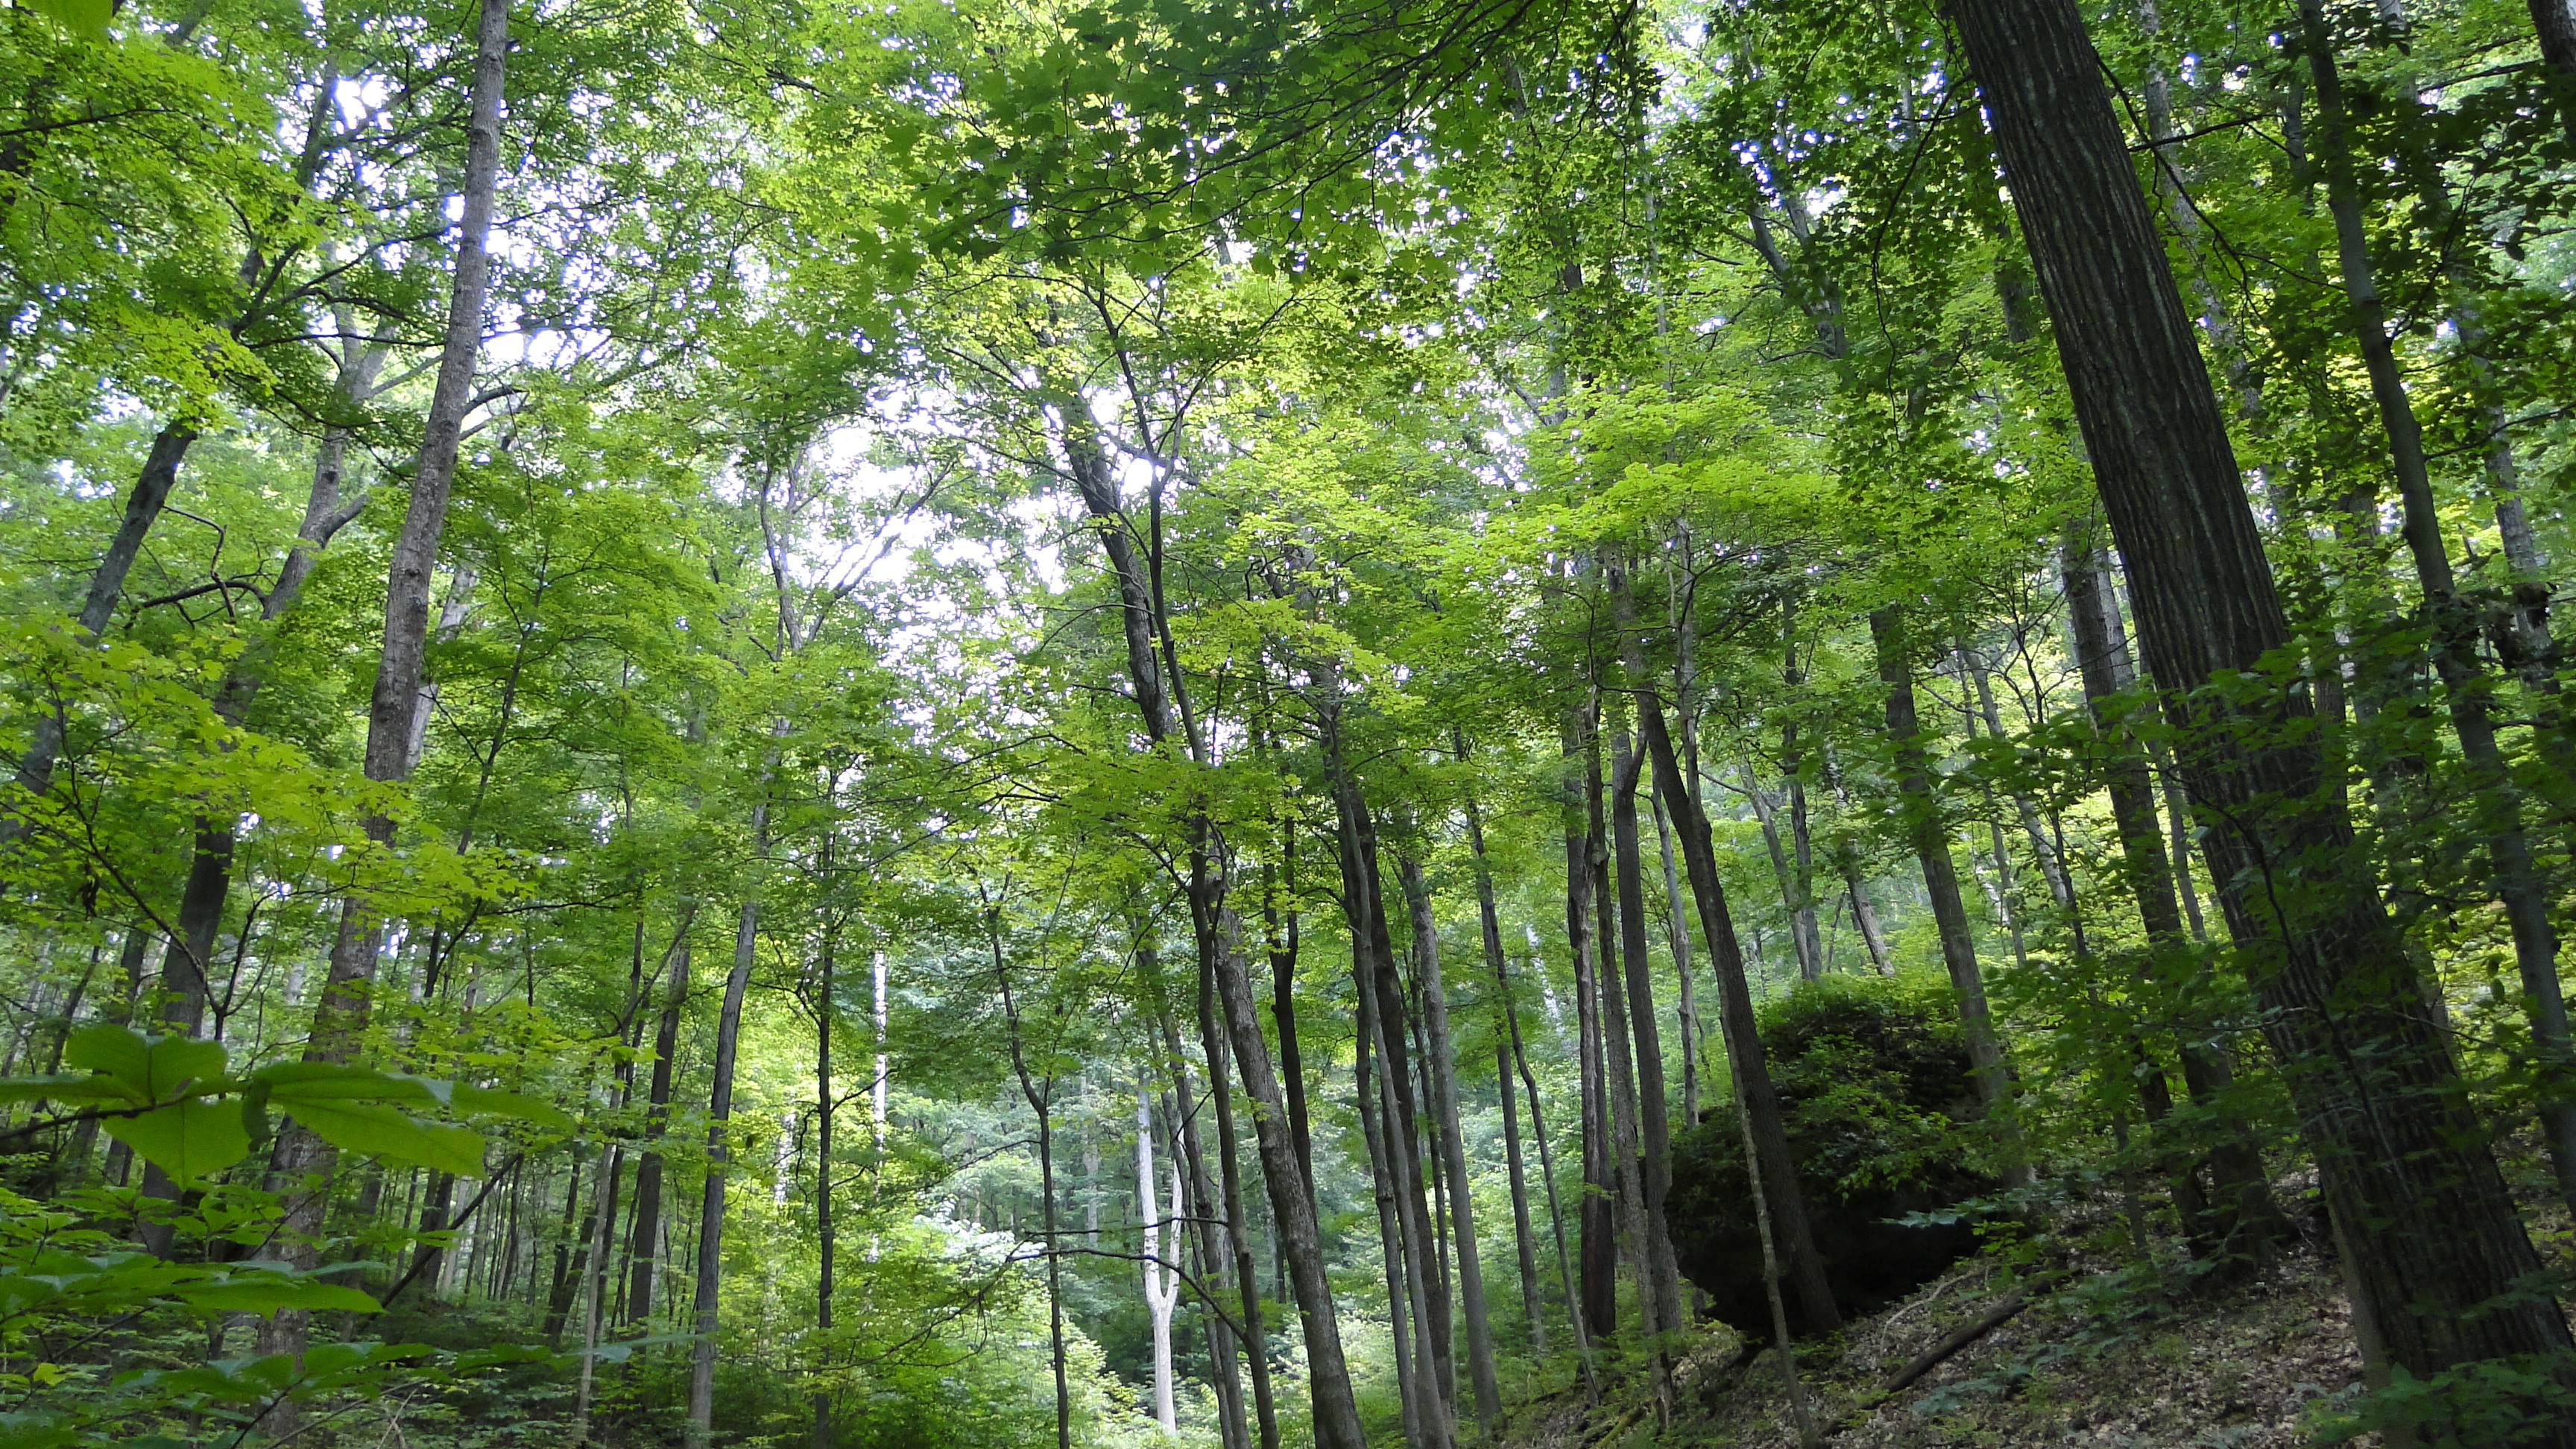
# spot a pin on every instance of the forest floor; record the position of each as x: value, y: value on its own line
x: 2104, y: 1354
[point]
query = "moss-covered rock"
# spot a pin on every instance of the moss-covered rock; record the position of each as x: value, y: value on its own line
x: 1873, y: 1077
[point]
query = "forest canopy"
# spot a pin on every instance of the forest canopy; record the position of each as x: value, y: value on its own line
x: 1126, y: 724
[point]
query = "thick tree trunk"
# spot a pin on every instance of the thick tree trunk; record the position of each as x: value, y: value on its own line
x: 2554, y: 21
x: 2439, y: 1248
x: 1764, y: 1126
x: 1662, y: 1301
x: 1941, y: 884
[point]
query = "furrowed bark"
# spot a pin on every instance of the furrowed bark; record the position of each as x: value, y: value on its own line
x: 2439, y: 1249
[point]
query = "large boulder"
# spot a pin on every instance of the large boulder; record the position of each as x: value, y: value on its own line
x: 1874, y: 1081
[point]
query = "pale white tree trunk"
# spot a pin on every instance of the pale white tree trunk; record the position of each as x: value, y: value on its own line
x: 1162, y: 1284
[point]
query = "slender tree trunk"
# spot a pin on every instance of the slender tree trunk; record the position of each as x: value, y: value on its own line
x: 711, y: 1199
x: 1369, y: 1095
x: 1163, y: 1292
x: 143, y: 505
x: 1686, y: 1007
x: 1490, y: 922
x: 1770, y: 1155
x: 303, y: 1161
x: 2515, y: 877
x: 1283, y: 946
x: 1941, y: 883
x: 1597, y: 1305
x: 2439, y: 1247
x: 1766, y: 812
x: 1238, y: 1226
x: 1402, y: 1125
x: 644, y: 1255
x: 1039, y: 1093
x: 2243, y: 1218
x: 826, y: 1244
x: 1619, y: 1069
x: 1444, y: 1103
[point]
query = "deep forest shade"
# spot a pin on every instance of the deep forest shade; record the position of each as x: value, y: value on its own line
x: 739, y: 714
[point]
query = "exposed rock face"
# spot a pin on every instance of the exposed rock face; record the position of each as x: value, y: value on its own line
x: 1874, y: 1079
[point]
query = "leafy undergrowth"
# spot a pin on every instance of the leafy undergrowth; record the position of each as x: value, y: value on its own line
x: 2106, y: 1354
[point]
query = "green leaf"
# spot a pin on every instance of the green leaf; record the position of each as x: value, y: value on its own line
x: 153, y: 1068
x: 292, y: 1085
x: 84, y: 18
x: 64, y: 1088
x: 487, y: 1103
x: 378, y: 1130
x: 269, y: 1292
x: 188, y: 1140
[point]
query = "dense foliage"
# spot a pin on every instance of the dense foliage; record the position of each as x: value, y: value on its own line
x: 985, y: 724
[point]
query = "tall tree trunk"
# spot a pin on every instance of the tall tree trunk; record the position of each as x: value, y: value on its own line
x: 1370, y: 1097
x: 1219, y: 937
x: 2515, y: 878
x: 1765, y: 1127
x: 2439, y: 1247
x: 826, y: 1244
x: 1283, y: 946
x: 143, y: 505
x: 1619, y: 1068
x: 1686, y: 1006
x: 1039, y: 1093
x: 1663, y: 1303
x: 644, y: 1246
x: 1489, y: 920
x: 1238, y: 1225
x: 302, y: 1160
x: 1163, y: 1292
x: 1766, y: 812
x: 1597, y: 1304
x: 1941, y: 884
x: 2243, y: 1220
x: 2554, y: 21
x: 1364, y: 889
x: 711, y: 1198
x: 1444, y: 1105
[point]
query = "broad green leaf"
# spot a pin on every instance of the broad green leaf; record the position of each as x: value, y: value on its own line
x: 153, y: 1068
x: 84, y: 18
x: 188, y: 1140
x: 378, y: 1130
